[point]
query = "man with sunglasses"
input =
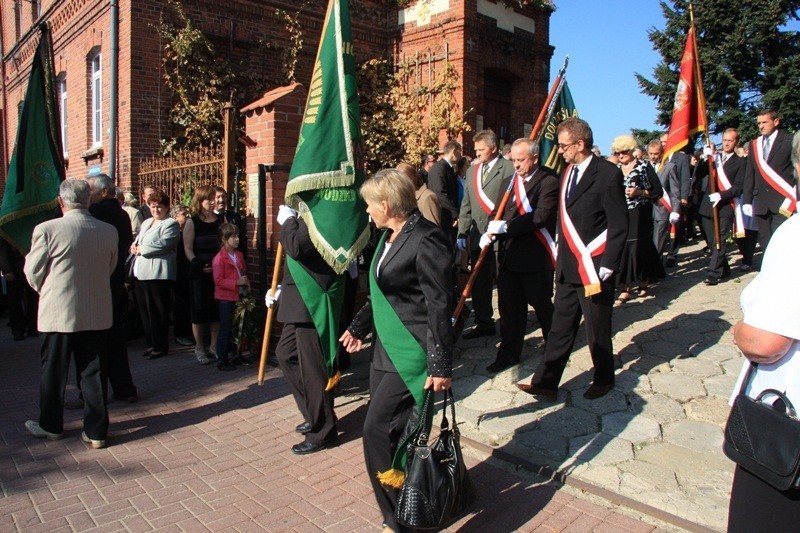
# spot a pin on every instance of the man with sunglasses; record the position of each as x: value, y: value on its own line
x: 592, y: 229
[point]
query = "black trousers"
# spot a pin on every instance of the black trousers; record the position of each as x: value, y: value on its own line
x: 390, y: 406
x: 23, y: 304
x: 515, y: 291
x: 747, y: 246
x: 757, y: 506
x: 181, y: 321
x: 155, y: 298
x: 569, y: 305
x: 118, y: 368
x: 718, y: 265
x: 482, y: 288
x: 300, y: 357
x: 767, y: 224
x: 89, y: 349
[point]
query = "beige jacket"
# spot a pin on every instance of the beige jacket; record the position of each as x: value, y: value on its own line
x: 69, y: 265
x: 428, y: 204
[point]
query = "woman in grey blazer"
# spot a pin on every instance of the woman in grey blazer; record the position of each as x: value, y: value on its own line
x: 155, y: 270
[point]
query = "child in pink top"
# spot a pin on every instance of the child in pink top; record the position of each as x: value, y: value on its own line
x: 229, y: 277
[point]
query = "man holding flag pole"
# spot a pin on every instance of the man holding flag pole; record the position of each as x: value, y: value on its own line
x: 324, y: 228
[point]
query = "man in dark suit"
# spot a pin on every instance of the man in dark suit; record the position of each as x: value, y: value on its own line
x: 105, y: 207
x: 227, y: 215
x: 730, y: 178
x: 427, y: 162
x: 684, y: 171
x: 667, y: 210
x: 593, y: 227
x: 525, y: 257
x: 143, y: 207
x: 769, y: 182
x: 443, y: 181
x: 482, y: 189
x: 299, y: 350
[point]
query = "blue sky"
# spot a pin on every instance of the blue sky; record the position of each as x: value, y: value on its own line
x: 607, y: 43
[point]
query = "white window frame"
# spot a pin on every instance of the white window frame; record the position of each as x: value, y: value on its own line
x: 61, y: 80
x: 96, y: 67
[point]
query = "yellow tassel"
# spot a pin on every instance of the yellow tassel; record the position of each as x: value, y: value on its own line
x: 785, y: 212
x: 333, y: 381
x: 591, y: 290
x: 392, y: 478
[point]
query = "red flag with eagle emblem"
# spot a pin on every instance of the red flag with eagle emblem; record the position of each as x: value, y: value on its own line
x: 689, y: 112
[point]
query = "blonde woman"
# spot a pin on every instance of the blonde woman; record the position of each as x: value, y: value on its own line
x: 641, y: 264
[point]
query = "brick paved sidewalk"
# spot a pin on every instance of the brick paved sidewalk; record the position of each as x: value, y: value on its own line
x: 205, y: 450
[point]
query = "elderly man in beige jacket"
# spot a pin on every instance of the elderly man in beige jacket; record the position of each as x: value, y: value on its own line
x: 69, y: 265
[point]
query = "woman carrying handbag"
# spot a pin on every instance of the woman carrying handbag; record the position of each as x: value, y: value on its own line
x: 769, y: 336
x: 409, y: 312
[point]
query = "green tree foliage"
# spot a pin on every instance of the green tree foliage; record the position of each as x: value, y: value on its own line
x: 644, y: 136
x: 748, y: 61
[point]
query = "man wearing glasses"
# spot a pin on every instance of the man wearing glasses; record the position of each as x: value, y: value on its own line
x: 427, y: 162
x: 592, y: 228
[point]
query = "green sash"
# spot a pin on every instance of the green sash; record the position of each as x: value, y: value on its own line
x: 325, y: 307
x: 407, y: 355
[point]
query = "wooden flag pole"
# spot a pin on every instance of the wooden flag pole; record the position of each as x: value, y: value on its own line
x: 276, y: 272
x: 712, y: 168
x: 535, y: 135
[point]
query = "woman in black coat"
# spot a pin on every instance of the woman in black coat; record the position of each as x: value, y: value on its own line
x: 409, y: 313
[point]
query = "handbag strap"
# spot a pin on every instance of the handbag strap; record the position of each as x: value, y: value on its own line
x: 448, y: 395
x: 420, y: 434
x: 748, y: 377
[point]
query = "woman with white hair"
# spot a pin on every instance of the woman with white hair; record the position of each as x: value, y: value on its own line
x: 641, y: 264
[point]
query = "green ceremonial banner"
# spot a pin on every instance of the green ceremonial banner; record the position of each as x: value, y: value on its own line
x: 37, y: 163
x: 328, y: 166
x: 327, y: 172
x: 548, y: 146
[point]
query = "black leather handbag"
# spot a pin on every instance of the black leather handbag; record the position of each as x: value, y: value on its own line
x: 437, y: 490
x: 764, y: 438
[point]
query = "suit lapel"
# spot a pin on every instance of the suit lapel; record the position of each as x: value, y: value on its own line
x: 399, y: 241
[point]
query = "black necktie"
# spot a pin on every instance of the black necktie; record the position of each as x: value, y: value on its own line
x: 573, y: 182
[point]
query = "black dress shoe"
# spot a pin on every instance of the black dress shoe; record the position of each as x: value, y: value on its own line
x: 711, y: 280
x: 156, y: 355
x: 133, y: 398
x: 597, y: 391
x: 499, y: 366
x: 538, y: 390
x: 479, y: 331
x: 304, y: 448
x: 303, y: 428
x: 670, y: 262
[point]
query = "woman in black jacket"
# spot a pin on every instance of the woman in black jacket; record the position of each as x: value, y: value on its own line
x: 409, y: 313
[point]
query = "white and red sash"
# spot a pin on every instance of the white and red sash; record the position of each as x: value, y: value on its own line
x: 789, y: 205
x: 582, y: 252
x: 524, y: 207
x: 723, y: 184
x: 486, y: 203
x: 666, y: 204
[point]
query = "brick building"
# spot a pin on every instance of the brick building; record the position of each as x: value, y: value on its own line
x: 501, y: 56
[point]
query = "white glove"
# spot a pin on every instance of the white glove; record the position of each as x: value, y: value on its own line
x: 604, y: 273
x: 714, y: 199
x: 271, y: 299
x: 497, y: 227
x: 486, y: 240
x: 674, y: 218
x: 285, y: 213
x: 747, y: 210
x: 461, y: 244
x: 707, y: 151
